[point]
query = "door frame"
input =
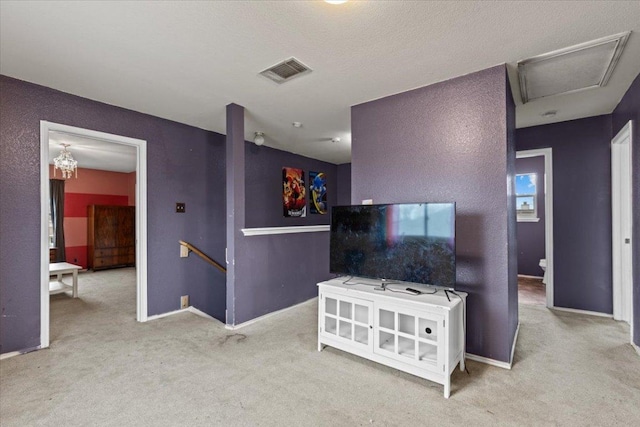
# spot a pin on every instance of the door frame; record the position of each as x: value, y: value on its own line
x: 548, y: 213
x: 141, y: 217
x: 619, y: 145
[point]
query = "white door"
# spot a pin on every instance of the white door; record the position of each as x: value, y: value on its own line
x: 622, y: 221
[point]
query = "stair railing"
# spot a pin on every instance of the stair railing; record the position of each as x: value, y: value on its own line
x: 189, y: 247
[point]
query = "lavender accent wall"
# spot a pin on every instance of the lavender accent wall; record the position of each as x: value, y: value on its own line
x: 530, y: 235
x: 581, y: 209
x: 344, y: 184
x: 272, y: 272
x: 235, y: 170
x: 452, y: 141
x: 512, y: 242
x: 277, y: 271
x: 629, y: 109
x: 263, y: 204
x: 185, y: 164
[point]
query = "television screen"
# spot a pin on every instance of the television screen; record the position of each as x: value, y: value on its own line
x: 404, y: 242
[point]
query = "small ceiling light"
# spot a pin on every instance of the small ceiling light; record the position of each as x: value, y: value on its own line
x: 336, y: 139
x: 335, y: 1
x: 258, y: 139
x: 549, y: 114
x: 296, y: 124
x: 65, y: 163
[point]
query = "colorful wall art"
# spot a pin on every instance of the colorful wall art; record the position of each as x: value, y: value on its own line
x: 318, y: 205
x: 293, y: 193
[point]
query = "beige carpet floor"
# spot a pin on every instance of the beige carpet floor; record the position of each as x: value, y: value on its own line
x: 105, y: 369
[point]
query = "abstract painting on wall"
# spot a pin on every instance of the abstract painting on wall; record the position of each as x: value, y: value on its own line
x: 293, y: 193
x: 318, y: 205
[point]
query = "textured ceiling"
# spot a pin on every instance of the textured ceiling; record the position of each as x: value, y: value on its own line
x: 185, y: 61
x: 94, y: 153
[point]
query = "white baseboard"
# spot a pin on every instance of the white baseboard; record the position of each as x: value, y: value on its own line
x: 10, y: 354
x: 170, y: 313
x: 189, y: 309
x: 197, y: 312
x: 18, y: 353
x: 637, y: 348
x: 530, y: 277
x: 492, y: 362
x: 590, y: 313
x: 513, y: 347
x: 273, y: 313
x: 498, y: 363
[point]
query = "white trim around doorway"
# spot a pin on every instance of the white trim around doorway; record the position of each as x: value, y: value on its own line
x: 548, y: 212
x: 141, y: 217
x: 622, y: 222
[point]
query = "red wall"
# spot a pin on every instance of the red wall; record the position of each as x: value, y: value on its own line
x: 92, y: 187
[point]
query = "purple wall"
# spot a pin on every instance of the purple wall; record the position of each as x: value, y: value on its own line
x: 531, y: 234
x: 452, y: 141
x: 512, y: 240
x: 184, y: 164
x: 581, y: 209
x: 344, y: 184
x: 277, y: 271
x: 271, y: 272
x: 629, y: 109
x: 235, y: 171
x: 263, y: 178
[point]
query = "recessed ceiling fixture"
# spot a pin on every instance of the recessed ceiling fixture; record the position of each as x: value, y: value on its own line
x: 258, y: 139
x: 65, y: 163
x: 550, y: 113
x: 286, y: 70
x: 296, y: 124
x: 335, y: 1
x: 583, y: 66
x: 336, y: 139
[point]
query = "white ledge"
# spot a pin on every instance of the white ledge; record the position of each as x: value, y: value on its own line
x: 284, y: 230
x: 528, y: 219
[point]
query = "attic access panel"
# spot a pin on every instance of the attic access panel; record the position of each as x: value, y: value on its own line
x: 584, y: 66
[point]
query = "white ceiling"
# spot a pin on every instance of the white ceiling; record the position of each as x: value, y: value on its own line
x: 185, y: 61
x: 94, y: 153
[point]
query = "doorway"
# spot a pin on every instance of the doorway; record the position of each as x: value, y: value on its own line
x: 622, y: 218
x: 46, y: 131
x: 547, y: 184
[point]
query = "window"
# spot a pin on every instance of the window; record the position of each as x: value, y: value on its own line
x: 527, y: 197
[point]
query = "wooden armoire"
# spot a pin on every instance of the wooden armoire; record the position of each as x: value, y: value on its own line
x: 111, y: 239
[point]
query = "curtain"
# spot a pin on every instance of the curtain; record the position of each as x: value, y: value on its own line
x: 56, y: 203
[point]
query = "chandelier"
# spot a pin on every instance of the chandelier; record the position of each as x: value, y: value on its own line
x: 65, y: 163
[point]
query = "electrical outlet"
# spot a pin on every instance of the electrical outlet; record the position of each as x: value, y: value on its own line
x: 184, y: 301
x: 181, y: 207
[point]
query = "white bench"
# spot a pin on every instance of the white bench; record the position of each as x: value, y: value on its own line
x: 58, y: 269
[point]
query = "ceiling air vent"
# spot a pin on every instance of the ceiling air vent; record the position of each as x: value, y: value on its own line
x: 584, y: 66
x: 286, y: 70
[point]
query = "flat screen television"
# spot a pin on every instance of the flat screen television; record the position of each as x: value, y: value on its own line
x: 397, y: 242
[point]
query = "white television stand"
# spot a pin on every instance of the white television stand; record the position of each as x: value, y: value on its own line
x: 423, y: 335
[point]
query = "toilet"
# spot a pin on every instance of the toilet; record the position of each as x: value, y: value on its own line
x: 543, y: 266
